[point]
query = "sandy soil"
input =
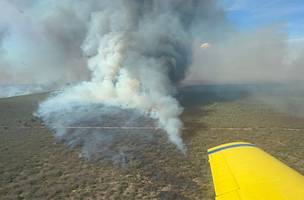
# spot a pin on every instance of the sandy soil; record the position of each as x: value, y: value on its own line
x: 34, y: 166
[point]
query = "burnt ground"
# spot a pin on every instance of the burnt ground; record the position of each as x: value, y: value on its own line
x: 33, y: 165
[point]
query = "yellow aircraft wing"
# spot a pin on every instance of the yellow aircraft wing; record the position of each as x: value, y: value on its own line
x: 242, y: 171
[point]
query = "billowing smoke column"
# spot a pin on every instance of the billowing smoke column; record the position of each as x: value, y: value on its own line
x: 136, y: 51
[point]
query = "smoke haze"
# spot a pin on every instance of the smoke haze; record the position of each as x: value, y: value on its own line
x: 260, y: 56
x: 41, y: 43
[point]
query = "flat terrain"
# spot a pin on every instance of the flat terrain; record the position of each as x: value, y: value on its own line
x: 34, y: 166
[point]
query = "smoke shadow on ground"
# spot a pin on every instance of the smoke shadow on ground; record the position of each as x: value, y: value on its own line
x: 202, y: 95
x: 197, y: 99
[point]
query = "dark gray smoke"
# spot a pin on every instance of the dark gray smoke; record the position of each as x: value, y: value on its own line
x: 137, y: 51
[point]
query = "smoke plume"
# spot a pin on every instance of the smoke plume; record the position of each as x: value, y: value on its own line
x: 137, y: 51
x: 128, y: 56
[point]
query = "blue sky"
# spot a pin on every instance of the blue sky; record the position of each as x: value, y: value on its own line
x: 253, y: 14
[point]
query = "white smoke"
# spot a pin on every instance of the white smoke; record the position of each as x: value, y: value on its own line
x: 136, y: 52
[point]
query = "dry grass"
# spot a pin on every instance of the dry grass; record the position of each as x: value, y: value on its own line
x: 34, y: 166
